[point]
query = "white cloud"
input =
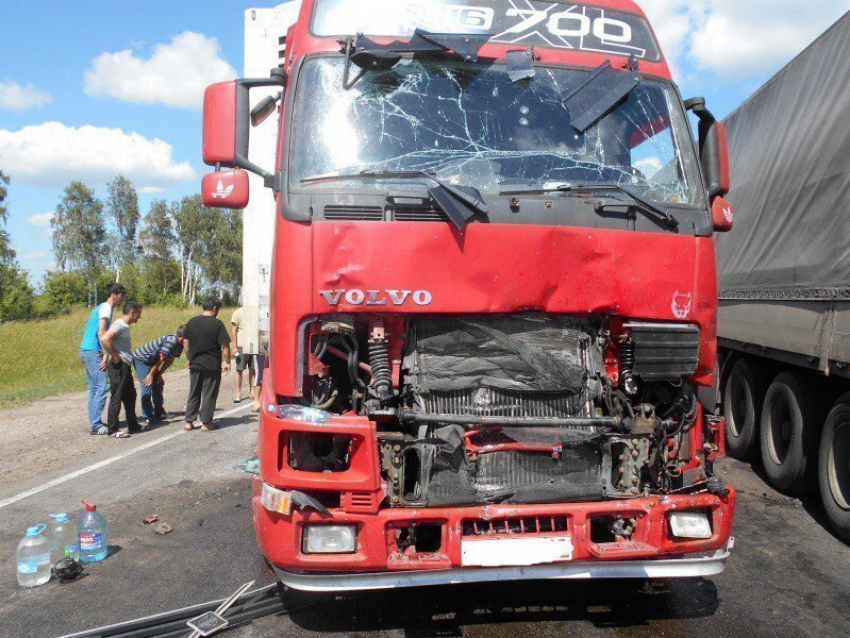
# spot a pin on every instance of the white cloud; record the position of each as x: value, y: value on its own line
x: 41, y: 219
x: 14, y: 97
x: 150, y: 190
x: 175, y: 74
x: 739, y: 39
x: 52, y: 154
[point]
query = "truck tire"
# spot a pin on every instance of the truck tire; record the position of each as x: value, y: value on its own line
x: 788, y: 434
x: 743, y: 394
x: 834, y: 467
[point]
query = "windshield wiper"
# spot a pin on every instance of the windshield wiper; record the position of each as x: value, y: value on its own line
x: 368, y: 55
x: 446, y: 196
x: 644, y: 205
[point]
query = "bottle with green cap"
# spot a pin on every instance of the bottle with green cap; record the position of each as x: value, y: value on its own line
x: 34, y: 564
x: 64, y: 542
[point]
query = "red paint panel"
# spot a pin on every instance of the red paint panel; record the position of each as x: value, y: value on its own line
x: 490, y: 268
x: 220, y: 124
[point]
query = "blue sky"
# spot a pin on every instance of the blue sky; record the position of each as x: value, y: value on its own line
x: 115, y: 77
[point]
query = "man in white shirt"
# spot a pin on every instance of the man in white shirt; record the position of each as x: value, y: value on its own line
x: 116, y: 343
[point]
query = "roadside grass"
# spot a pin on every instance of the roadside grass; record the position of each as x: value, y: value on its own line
x: 41, y: 358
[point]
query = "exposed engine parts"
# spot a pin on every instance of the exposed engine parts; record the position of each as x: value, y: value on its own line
x: 508, y: 409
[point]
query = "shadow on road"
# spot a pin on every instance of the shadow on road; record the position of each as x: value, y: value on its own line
x: 444, y: 611
x: 810, y: 501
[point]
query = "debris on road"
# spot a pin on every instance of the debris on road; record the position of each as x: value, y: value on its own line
x: 150, y: 519
x: 250, y: 466
x: 68, y: 570
x: 163, y: 528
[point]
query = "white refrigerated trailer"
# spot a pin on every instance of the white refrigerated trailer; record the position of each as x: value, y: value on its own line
x: 265, y: 44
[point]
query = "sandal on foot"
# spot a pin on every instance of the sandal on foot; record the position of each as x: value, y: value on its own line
x: 121, y: 435
x: 208, y: 427
x: 189, y: 427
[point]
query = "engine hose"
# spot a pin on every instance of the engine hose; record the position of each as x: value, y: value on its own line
x: 627, y: 358
x: 379, y: 359
x: 353, y: 360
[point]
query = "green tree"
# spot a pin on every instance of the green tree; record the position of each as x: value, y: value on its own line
x: 65, y: 289
x: 158, y: 241
x: 16, y: 295
x: 222, y: 251
x: 122, y: 206
x: 79, y: 233
x: 7, y: 253
x: 189, y: 225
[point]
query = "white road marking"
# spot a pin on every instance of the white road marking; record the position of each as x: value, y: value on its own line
x: 105, y: 462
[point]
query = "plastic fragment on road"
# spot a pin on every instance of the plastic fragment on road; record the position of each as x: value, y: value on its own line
x: 162, y: 529
x: 150, y: 519
x: 249, y: 466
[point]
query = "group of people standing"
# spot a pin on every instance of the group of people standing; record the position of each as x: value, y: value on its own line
x: 109, y: 360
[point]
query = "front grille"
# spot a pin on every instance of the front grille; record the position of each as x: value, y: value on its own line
x: 494, y: 402
x: 354, y: 213
x: 414, y: 213
x: 665, y: 350
x: 515, y: 526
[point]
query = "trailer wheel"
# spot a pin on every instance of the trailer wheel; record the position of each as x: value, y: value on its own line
x: 788, y: 435
x: 834, y: 467
x: 743, y: 393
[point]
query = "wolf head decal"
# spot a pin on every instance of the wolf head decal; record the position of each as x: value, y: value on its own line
x: 682, y: 305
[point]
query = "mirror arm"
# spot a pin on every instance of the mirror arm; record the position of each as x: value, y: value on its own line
x: 277, y: 77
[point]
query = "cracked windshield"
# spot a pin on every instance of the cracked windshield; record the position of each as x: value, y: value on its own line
x: 469, y: 124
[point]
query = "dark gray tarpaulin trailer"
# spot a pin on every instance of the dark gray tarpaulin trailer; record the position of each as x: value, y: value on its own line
x: 785, y: 267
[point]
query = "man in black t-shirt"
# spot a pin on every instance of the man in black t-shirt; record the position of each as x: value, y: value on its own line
x: 206, y: 338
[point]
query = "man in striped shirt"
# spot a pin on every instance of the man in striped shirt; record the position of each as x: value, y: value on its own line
x: 151, y: 360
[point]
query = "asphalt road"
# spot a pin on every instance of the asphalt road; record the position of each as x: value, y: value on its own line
x: 788, y: 576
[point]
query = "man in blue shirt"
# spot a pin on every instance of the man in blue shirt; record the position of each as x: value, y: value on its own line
x: 151, y: 360
x: 93, y: 358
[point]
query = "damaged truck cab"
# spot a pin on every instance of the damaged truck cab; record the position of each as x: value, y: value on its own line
x: 493, y: 297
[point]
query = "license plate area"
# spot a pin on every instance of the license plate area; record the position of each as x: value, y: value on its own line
x: 516, y: 552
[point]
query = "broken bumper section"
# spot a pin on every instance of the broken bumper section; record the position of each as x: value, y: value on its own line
x: 401, y: 547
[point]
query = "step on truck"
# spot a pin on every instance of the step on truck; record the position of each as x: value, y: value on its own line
x: 784, y: 316
x: 492, y: 292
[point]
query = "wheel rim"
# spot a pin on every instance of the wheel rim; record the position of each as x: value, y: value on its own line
x: 780, y: 429
x: 838, y: 466
x: 738, y: 402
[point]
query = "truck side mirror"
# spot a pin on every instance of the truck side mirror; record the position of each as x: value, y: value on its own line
x: 226, y: 131
x: 225, y: 189
x: 714, y: 157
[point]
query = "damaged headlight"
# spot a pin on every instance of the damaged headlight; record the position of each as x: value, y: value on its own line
x: 690, y: 525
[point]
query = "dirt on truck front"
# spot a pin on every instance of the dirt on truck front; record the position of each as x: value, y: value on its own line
x: 493, y: 302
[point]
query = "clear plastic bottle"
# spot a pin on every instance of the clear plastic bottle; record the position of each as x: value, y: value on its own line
x: 63, y: 538
x: 34, y: 564
x: 92, y: 534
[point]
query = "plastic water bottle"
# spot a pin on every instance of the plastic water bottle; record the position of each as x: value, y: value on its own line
x: 92, y: 535
x: 63, y: 538
x: 34, y: 564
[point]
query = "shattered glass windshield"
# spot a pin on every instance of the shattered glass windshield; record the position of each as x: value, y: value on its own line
x: 469, y: 124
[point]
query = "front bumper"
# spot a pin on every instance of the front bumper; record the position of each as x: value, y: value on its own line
x: 584, y: 570
x: 378, y: 563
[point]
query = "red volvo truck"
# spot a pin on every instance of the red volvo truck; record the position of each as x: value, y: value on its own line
x: 493, y: 296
